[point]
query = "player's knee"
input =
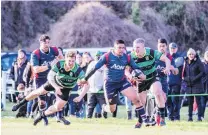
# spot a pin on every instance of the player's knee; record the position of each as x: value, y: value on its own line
x: 135, y: 101
x: 58, y: 108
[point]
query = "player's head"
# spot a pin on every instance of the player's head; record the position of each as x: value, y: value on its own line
x: 173, y: 47
x: 139, y: 46
x: 162, y: 45
x: 119, y: 47
x: 44, y: 42
x: 70, y: 58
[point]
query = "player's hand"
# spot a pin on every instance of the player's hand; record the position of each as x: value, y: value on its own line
x: 81, y: 82
x: 166, y: 71
x: 58, y: 90
x: 77, y: 99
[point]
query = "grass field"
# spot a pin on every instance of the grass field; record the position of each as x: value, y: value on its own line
x: 110, y: 126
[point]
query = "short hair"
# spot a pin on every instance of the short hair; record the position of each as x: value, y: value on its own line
x: 70, y: 54
x: 139, y: 40
x: 162, y: 40
x: 191, y: 50
x: 43, y: 38
x: 61, y: 49
x: 119, y: 42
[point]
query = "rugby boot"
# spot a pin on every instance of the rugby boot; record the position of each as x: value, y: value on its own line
x: 138, y: 125
x: 45, y: 120
x: 37, y: 119
x: 18, y: 105
x: 149, y: 123
x: 63, y: 120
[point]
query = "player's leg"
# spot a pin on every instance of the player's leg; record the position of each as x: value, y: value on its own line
x: 160, y: 99
x: 61, y: 101
x: 110, y: 94
x: 128, y: 91
x: 29, y: 97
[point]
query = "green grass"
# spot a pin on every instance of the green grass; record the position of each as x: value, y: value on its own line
x: 110, y: 126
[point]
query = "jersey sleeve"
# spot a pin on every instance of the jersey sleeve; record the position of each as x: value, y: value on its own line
x: 55, y: 68
x: 34, y: 60
x: 157, y: 54
x: 55, y: 49
x: 133, y: 65
x: 101, y: 62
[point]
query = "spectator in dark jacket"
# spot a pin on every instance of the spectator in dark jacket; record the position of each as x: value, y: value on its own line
x: 174, y: 83
x: 205, y: 83
x: 16, y: 74
x: 192, y: 75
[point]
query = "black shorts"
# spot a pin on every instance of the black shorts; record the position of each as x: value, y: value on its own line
x: 145, y: 85
x: 65, y: 91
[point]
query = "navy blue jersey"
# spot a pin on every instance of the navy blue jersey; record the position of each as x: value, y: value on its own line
x: 115, y: 66
x: 39, y: 58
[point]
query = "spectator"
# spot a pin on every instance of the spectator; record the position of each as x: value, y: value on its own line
x: 192, y: 75
x: 174, y: 83
x: 86, y: 60
x: 205, y: 84
x: 16, y: 74
x: 95, y: 86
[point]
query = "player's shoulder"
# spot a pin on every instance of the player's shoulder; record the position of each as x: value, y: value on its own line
x: 55, y: 50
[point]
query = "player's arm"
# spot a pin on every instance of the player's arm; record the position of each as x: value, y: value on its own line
x: 51, y: 77
x: 167, y: 63
x: 82, y: 94
x: 97, y: 66
x: 35, y: 63
x: 174, y: 70
x: 127, y: 72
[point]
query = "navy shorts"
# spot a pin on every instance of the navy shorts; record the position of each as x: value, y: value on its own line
x: 38, y: 83
x: 112, y: 89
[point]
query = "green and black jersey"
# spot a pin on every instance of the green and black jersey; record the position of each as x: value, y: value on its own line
x: 67, y: 79
x: 147, y: 63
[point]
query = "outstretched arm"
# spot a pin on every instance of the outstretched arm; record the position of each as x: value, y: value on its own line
x: 167, y: 63
x: 97, y: 66
x: 84, y: 91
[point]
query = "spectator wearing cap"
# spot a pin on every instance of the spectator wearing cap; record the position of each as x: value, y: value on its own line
x: 95, y: 95
x: 204, y: 99
x: 16, y: 74
x: 174, y: 84
x: 192, y: 75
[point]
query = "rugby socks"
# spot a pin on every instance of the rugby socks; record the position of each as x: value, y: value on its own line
x: 162, y: 112
x: 142, y: 116
x: 23, y: 101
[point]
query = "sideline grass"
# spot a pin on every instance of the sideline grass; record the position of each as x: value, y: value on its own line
x: 110, y: 126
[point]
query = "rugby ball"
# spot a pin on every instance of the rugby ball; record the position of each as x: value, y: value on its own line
x: 136, y: 73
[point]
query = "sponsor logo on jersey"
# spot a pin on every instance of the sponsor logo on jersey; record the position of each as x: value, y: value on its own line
x: 119, y: 67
